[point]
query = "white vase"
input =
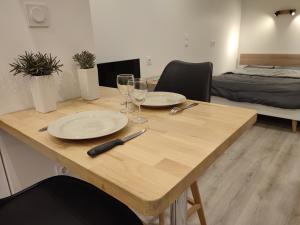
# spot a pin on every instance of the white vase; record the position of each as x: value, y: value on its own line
x: 88, y: 82
x: 43, y: 92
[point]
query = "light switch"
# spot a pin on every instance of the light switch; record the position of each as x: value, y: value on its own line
x: 38, y: 15
x: 213, y: 44
x: 186, y: 40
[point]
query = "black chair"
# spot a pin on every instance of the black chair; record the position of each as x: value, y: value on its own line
x: 108, y: 72
x: 193, y: 80
x: 63, y: 200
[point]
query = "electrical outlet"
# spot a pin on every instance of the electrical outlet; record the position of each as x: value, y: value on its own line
x: 148, y: 60
x: 186, y: 36
x: 60, y: 170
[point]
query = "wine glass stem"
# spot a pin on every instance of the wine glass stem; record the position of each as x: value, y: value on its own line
x: 126, y: 104
x: 139, y: 111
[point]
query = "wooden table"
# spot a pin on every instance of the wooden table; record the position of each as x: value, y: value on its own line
x: 150, y: 172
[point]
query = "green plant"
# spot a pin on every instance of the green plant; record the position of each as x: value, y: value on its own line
x: 36, y: 64
x: 85, y: 59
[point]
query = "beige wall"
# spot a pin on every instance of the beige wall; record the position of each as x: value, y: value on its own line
x: 262, y: 32
x: 70, y: 31
x: 137, y: 29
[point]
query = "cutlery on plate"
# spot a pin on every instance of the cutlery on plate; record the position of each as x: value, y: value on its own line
x: 43, y: 129
x: 111, y: 144
x: 179, y: 109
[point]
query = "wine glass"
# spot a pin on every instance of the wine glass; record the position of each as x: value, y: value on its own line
x: 122, y: 83
x: 138, y: 89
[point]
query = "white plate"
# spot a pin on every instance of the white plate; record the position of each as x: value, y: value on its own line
x: 163, y: 99
x: 86, y: 125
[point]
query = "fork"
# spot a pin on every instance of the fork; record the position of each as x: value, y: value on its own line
x: 43, y: 129
x: 179, y: 109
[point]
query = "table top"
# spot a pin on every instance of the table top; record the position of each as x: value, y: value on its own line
x: 151, y: 171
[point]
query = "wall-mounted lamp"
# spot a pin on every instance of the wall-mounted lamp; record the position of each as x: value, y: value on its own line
x: 291, y: 12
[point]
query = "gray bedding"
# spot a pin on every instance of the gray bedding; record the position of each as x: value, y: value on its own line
x: 282, y: 92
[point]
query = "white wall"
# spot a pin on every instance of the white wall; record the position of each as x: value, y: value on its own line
x: 137, y: 29
x: 262, y: 32
x: 70, y: 31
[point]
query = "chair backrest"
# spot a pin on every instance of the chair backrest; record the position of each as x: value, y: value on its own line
x: 193, y: 80
x: 108, y: 72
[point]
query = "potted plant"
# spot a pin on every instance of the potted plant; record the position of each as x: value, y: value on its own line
x: 87, y: 75
x: 41, y: 68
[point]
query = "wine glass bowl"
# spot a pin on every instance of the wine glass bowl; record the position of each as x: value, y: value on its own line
x: 138, y: 96
x: 123, y: 80
x: 137, y: 89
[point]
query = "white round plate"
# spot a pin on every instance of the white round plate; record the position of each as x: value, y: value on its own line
x: 163, y: 99
x: 87, y: 125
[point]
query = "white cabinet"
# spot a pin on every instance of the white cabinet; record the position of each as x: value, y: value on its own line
x: 24, y: 165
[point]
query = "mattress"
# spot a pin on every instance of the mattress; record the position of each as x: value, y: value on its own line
x: 275, y: 87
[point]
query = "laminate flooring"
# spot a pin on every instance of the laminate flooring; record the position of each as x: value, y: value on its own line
x: 256, y: 181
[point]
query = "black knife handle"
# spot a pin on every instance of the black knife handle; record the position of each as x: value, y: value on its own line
x: 104, y: 147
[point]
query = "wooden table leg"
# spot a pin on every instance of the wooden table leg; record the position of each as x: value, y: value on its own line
x: 162, y: 218
x: 294, y: 125
x: 198, y: 201
x: 178, y: 215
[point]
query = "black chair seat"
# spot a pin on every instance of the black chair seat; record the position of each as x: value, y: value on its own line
x: 63, y: 200
x: 193, y: 80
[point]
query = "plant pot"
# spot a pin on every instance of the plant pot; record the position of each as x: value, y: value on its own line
x: 88, y: 82
x: 43, y: 92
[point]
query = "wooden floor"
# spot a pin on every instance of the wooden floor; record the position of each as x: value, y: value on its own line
x: 257, y: 181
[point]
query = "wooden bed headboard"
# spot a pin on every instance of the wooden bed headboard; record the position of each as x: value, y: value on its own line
x: 285, y: 60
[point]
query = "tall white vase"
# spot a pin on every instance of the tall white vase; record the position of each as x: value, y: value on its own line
x: 89, y: 85
x: 44, y: 93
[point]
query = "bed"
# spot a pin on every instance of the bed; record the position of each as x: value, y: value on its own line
x: 268, y: 83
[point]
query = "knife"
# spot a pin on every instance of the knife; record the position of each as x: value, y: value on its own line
x: 111, y: 144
